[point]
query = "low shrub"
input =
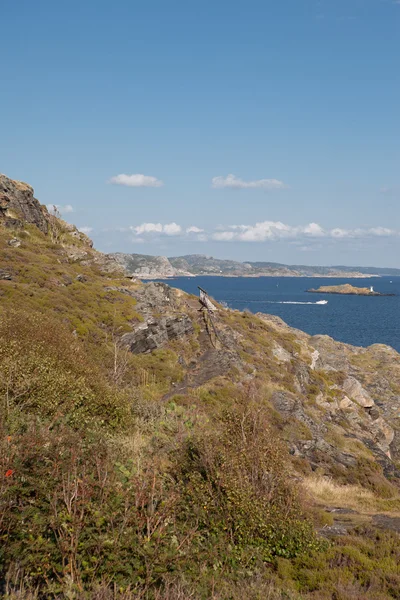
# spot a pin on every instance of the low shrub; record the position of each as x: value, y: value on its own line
x: 236, y: 482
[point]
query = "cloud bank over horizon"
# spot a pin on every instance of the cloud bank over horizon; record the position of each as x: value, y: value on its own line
x: 264, y: 231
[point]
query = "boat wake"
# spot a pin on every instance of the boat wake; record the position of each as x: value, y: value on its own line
x: 294, y: 302
x: 319, y: 302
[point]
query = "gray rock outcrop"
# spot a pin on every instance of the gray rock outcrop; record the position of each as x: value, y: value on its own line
x: 356, y: 392
x: 17, y: 204
x: 155, y: 333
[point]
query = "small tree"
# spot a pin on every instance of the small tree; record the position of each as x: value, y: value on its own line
x: 55, y: 225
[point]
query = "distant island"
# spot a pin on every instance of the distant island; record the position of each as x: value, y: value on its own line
x: 348, y: 290
x: 145, y: 266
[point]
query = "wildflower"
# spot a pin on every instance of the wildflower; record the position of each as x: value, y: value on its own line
x: 9, y: 473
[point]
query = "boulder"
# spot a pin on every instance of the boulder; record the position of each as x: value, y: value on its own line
x: 354, y: 390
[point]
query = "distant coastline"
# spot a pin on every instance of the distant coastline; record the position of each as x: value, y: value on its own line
x: 258, y: 276
x: 145, y: 266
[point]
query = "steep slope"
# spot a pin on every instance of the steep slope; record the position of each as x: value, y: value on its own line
x: 148, y: 450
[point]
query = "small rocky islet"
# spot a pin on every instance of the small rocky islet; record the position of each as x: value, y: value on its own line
x: 347, y: 289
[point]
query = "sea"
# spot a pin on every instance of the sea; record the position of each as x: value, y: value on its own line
x: 356, y: 320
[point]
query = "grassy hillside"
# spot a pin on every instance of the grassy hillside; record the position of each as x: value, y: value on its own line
x: 242, y: 464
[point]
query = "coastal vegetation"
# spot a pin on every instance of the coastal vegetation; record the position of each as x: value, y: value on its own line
x: 252, y: 465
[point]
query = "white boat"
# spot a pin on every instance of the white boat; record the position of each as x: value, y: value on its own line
x: 322, y: 302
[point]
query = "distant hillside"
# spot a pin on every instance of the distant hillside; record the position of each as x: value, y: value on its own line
x: 332, y: 271
x: 381, y: 271
x: 192, y: 265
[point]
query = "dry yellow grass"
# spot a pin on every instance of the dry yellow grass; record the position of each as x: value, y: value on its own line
x: 326, y: 491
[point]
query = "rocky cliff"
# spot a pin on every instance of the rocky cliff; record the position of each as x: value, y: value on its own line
x: 18, y: 205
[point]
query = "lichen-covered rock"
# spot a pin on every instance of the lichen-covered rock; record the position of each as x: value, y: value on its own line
x: 290, y: 405
x: 155, y: 297
x: 363, y: 404
x: 76, y: 254
x: 280, y: 353
x: 155, y: 333
x: 356, y: 392
x: 332, y: 355
x: 18, y: 203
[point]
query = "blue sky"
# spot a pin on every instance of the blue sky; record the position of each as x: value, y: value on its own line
x: 254, y: 130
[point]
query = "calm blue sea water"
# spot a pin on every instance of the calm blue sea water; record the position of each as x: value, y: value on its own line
x: 360, y: 321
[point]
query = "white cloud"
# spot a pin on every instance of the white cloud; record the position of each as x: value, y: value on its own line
x: 382, y: 231
x: 276, y: 230
x: 85, y: 230
x: 194, y: 229
x: 362, y: 233
x: 157, y: 228
x: 340, y: 233
x: 63, y: 210
x: 314, y: 230
x: 264, y: 231
x: 172, y: 229
x: 148, y: 228
x: 136, y: 180
x: 233, y: 182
